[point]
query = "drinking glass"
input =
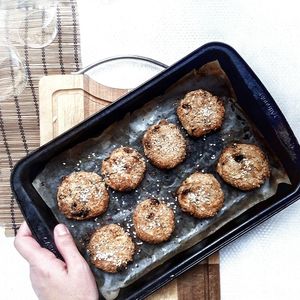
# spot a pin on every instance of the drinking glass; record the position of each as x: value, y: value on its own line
x: 37, y: 28
x: 30, y: 22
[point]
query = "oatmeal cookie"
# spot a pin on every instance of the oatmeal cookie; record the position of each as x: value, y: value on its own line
x: 82, y: 195
x: 124, y: 169
x: 111, y: 248
x: 153, y: 221
x: 200, y: 195
x: 243, y: 166
x: 164, y: 145
x: 200, y: 112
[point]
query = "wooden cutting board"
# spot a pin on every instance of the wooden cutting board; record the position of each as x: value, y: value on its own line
x: 66, y: 100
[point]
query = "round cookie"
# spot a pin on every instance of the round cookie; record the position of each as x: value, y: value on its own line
x: 82, y: 195
x: 111, y: 248
x: 243, y: 166
x: 200, y: 195
x: 124, y: 169
x: 164, y: 145
x: 200, y: 112
x: 153, y: 221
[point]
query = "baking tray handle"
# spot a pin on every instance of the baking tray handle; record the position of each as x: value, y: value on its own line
x: 39, y: 218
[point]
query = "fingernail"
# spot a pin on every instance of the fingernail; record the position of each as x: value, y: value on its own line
x: 61, y: 230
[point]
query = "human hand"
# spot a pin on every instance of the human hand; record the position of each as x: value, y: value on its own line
x: 51, y: 278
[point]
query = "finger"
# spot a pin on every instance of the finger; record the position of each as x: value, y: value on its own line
x: 66, y: 246
x: 29, y: 248
x: 24, y: 230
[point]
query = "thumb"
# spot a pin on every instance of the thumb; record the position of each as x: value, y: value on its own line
x: 66, y: 245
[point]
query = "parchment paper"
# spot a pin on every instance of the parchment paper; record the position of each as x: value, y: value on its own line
x: 202, y: 155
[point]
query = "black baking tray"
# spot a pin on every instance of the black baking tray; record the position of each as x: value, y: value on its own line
x: 254, y: 99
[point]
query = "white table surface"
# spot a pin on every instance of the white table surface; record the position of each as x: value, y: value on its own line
x: 263, y: 264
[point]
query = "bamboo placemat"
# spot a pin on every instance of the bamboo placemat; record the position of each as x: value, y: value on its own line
x: 19, y: 115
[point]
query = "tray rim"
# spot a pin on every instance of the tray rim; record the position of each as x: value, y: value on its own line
x: 22, y: 176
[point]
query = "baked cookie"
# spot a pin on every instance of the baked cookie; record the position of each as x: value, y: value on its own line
x: 124, y: 169
x: 200, y: 195
x: 111, y: 248
x: 82, y: 195
x: 153, y: 221
x: 200, y: 112
x: 243, y: 166
x: 164, y: 145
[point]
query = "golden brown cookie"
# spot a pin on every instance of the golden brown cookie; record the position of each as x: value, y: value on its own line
x: 200, y: 195
x: 153, y: 221
x: 200, y: 112
x: 164, y: 145
x: 243, y: 166
x: 82, y: 195
x: 111, y: 248
x: 124, y: 169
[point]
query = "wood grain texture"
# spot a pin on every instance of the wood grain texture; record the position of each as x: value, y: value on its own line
x: 66, y: 100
